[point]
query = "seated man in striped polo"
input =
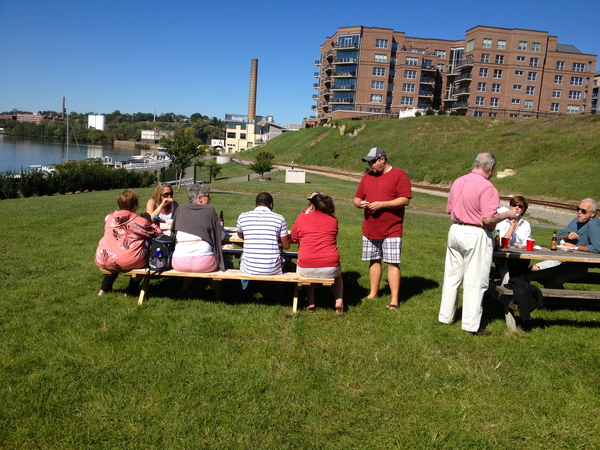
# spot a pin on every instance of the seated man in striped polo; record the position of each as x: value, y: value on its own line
x: 262, y: 231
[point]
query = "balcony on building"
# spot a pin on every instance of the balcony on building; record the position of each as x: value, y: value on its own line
x: 425, y: 93
x: 329, y: 55
x: 313, y: 107
x: 352, y: 60
x: 315, y: 96
x: 428, y: 67
x: 460, y: 105
x: 343, y: 74
x: 347, y: 87
x: 461, y: 92
x: 463, y: 76
x: 316, y: 85
x: 317, y: 62
x: 327, y: 69
x: 427, y: 80
x: 341, y: 101
x: 345, y: 45
x: 467, y: 62
x: 316, y: 74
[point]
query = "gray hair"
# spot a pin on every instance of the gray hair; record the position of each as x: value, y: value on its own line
x: 197, y: 190
x: 484, y: 161
x: 592, y: 201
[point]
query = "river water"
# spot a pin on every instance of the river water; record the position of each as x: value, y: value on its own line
x: 17, y: 153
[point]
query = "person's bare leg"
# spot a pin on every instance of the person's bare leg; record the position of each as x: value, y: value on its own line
x: 216, y: 286
x: 374, y: 278
x: 310, y: 297
x: 394, y: 277
x: 338, y: 293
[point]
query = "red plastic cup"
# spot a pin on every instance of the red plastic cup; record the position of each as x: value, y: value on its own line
x: 505, y: 242
x: 530, y: 244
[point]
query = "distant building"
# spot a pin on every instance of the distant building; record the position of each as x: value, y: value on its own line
x: 378, y: 72
x: 30, y: 118
x: 96, y: 121
x: 154, y: 136
x: 242, y: 134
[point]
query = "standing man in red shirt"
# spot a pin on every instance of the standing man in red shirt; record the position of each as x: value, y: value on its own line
x: 382, y: 194
x: 472, y: 204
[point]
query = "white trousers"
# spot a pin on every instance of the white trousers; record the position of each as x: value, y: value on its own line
x: 468, y: 261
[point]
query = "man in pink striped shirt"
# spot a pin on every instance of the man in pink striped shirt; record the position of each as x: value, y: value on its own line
x: 472, y: 204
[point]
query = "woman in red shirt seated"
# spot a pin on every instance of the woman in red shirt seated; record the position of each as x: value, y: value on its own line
x: 316, y: 231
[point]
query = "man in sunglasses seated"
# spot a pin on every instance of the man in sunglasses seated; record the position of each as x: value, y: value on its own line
x: 582, y: 234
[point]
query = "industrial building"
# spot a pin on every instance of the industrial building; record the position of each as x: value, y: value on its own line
x: 378, y: 72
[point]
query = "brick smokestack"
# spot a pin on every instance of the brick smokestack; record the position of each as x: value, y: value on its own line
x: 252, y: 97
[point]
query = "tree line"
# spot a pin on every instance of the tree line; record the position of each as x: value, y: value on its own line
x: 118, y: 126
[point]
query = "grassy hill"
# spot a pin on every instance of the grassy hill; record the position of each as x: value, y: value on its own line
x: 553, y: 158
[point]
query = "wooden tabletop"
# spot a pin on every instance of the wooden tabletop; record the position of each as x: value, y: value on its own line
x: 547, y: 254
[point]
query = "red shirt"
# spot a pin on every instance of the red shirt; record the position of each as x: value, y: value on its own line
x: 385, y: 223
x: 317, y: 234
x: 472, y: 198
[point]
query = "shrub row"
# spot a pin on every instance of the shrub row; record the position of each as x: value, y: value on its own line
x: 72, y: 176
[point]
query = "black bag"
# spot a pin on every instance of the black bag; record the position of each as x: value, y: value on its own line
x: 160, y: 254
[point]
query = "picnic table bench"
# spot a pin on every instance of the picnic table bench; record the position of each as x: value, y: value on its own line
x: 229, y: 274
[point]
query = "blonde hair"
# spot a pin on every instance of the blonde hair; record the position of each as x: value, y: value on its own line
x: 157, y: 195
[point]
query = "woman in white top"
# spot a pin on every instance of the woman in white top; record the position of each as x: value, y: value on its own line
x: 161, y: 206
x: 517, y: 230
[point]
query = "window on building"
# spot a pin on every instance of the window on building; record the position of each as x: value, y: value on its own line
x: 530, y: 90
x: 376, y: 98
x: 501, y: 44
x: 516, y: 101
x: 470, y: 45
x: 534, y: 62
x: 477, y: 114
x: 517, y: 87
x: 394, y: 46
x: 536, y: 47
x: 519, y: 73
x: 532, y: 76
x: 440, y: 67
x: 558, y: 79
x: 497, y: 73
x: 242, y: 135
x: 481, y: 86
x: 578, y: 67
x: 407, y: 101
x: 348, y: 40
x: 493, y: 114
x: 572, y: 109
x: 379, y: 71
x: 576, y: 81
x: 556, y: 93
x: 393, y: 60
x: 485, y: 57
x: 495, y: 88
x: 555, y: 107
x: 522, y: 45
x: 408, y: 87
x: 487, y: 43
x: 520, y: 59
x: 381, y: 43
x: 480, y: 101
x: 380, y: 58
x: 528, y: 104
x: 560, y: 65
x: 513, y: 116
x: 410, y: 74
x: 412, y: 61
x: 377, y: 85
x: 440, y: 53
x: 392, y: 74
x: 494, y: 102
x: 483, y: 72
x: 499, y: 59
x: 231, y: 135
x: 574, y: 95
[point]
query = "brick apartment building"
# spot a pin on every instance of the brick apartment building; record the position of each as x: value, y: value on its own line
x: 501, y: 72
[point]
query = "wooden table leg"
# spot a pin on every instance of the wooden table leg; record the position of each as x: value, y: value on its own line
x: 144, y: 289
x: 295, y: 307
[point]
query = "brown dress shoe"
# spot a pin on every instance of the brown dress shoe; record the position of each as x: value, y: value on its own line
x: 481, y: 332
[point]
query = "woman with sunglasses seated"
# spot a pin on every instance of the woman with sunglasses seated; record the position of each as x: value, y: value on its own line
x: 517, y: 230
x: 161, y: 206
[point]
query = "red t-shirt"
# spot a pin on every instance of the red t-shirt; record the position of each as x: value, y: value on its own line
x: 385, y: 223
x: 317, y: 234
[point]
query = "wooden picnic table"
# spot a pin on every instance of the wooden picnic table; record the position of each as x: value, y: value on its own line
x: 502, y: 256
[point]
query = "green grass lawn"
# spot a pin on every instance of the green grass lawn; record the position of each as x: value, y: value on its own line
x: 78, y: 371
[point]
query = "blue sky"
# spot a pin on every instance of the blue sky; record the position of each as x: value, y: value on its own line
x: 190, y: 56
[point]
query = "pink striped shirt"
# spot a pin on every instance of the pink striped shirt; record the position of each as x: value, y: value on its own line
x: 472, y: 198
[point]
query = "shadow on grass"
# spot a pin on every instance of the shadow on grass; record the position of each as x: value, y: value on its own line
x: 494, y: 310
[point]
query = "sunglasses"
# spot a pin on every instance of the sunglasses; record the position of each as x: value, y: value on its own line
x: 582, y: 211
x: 518, y: 206
x: 167, y: 194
